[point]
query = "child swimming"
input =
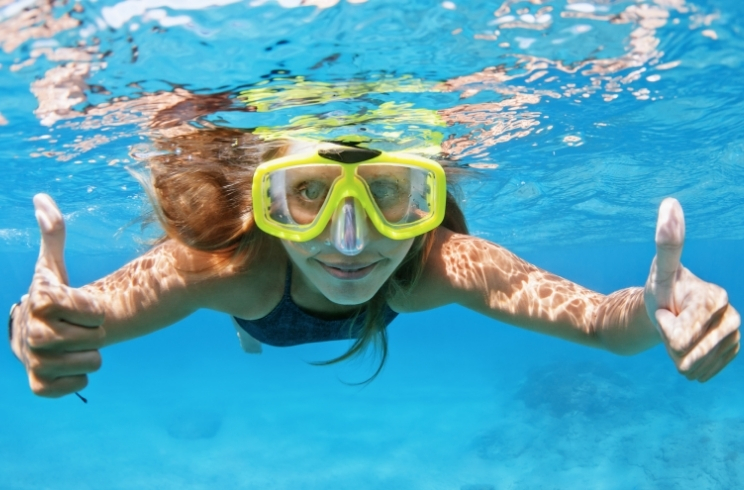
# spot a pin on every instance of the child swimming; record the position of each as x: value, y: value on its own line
x: 304, y: 242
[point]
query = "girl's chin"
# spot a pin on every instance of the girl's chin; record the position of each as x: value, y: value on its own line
x: 349, y: 292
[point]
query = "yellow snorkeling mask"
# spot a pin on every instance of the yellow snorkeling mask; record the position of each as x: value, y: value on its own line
x: 295, y: 197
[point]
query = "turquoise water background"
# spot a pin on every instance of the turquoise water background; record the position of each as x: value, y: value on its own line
x: 566, y: 169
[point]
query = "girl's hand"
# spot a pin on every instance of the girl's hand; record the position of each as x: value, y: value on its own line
x: 57, y: 329
x: 697, y: 324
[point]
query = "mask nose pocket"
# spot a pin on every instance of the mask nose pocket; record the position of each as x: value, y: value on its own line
x: 349, y: 227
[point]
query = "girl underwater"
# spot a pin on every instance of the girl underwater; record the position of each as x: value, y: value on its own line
x: 303, y: 242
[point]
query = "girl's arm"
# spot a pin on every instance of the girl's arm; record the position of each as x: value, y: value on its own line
x: 153, y: 291
x: 171, y: 281
x: 691, y: 317
x: 57, y: 330
x: 487, y: 278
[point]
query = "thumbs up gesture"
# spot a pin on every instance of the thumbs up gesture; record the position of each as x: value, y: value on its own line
x: 697, y: 324
x: 56, y: 331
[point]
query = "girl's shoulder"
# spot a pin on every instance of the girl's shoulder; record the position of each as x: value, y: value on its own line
x: 433, y: 288
x: 458, y: 268
x: 249, y: 289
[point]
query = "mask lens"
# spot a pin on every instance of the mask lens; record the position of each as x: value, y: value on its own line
x: 402, y: 193
x: 298, y: 194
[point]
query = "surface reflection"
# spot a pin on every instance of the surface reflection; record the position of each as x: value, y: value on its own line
x: 519, y: 76
x: 519, y: 83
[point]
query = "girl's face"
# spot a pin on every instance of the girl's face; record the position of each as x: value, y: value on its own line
x: 343, y: 279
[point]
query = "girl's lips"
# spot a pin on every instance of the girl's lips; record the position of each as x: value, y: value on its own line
x: 347, y: 272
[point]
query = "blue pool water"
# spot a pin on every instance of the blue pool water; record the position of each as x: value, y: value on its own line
x: 571, y: 121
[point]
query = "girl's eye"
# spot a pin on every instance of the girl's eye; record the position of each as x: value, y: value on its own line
x: 384, y: 191
x: 313, y: 190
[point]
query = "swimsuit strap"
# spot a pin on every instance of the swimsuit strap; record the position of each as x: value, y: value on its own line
x: 288, y: 281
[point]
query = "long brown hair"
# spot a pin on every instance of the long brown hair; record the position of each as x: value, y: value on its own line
x: 200, y: 188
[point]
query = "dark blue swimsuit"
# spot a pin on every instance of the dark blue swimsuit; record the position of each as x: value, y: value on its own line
x: 288, y: 325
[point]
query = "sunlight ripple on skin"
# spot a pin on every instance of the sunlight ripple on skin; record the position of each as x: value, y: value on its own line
x: 534, y: 295
x: 470, y: 265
